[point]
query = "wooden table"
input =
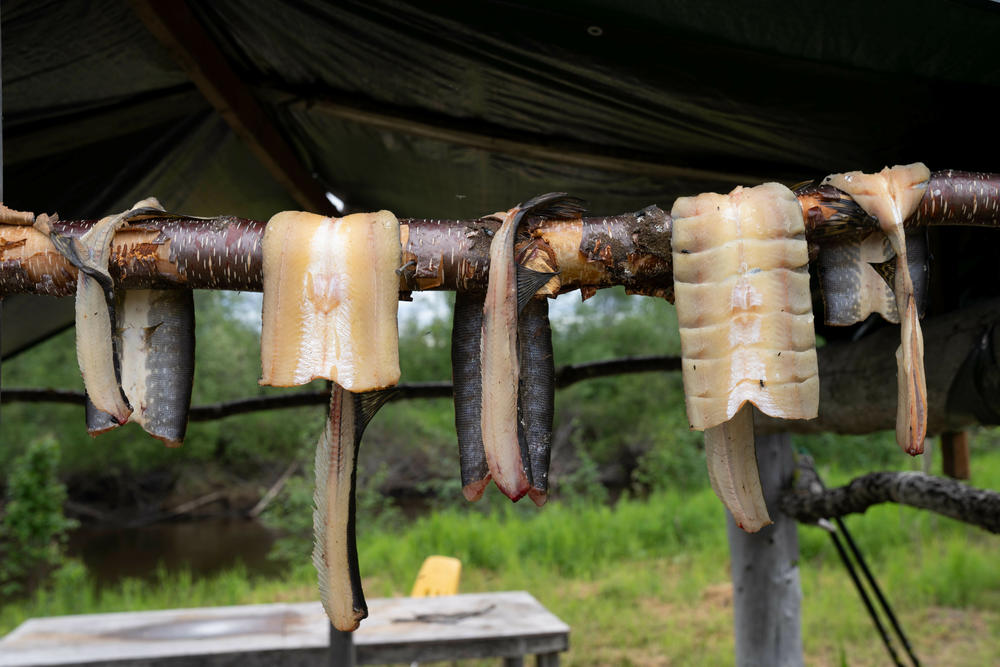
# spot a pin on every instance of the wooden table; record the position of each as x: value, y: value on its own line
x: 506, y: 625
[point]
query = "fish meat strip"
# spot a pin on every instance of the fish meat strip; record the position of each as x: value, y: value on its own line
x: 741, y: 287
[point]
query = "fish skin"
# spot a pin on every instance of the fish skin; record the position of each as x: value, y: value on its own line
x: 335, y: 550
x: 468, y: 388
x: 155, y: 341
x: 498, y: 349
x: 536, y: 390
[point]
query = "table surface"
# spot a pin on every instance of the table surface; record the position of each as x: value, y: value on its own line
x: 268, y: 627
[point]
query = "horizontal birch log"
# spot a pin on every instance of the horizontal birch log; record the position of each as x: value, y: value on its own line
x: 631, y: 249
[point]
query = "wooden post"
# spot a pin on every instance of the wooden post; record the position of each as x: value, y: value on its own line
x: 767, y: 596
x: 955, y: 454
x: 342, y: 651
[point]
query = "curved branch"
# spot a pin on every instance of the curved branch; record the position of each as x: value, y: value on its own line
x: 808, y: 501
x: 565, y: 376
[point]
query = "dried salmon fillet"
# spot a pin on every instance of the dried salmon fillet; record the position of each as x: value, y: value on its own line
x: 330, y: 299
x: 741, y: 287
x: 891, y: 196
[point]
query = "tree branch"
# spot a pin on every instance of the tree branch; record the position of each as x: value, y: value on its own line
x: 808, y: 501
x: 565, y: 376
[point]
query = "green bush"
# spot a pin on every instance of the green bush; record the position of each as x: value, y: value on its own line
x: 33, y: 530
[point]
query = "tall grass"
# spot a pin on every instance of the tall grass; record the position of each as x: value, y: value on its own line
x: 642, y: 580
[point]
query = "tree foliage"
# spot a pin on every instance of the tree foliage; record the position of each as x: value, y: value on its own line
x: 33, y: 529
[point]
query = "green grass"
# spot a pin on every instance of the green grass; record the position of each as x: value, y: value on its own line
x: 644, y: 582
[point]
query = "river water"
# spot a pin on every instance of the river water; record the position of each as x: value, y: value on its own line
x: 203, y: 547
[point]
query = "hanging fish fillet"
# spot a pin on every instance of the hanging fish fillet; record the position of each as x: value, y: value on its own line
x: 468, y: 389
x: 155, y: 341
x: 741, y: 287
x: 507, y: 292
x: 732, y: 470
x: 330, y: 300
x: 892, y: 196
x: 536, y: 401
x: 335, y: 551
x: 96, y: 346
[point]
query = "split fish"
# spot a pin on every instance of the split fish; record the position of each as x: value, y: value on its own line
x: 508, y: 291
x: 335, y: 550
x: 536, y: 394
x: 96, y: 344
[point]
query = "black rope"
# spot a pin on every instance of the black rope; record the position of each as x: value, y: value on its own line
x: 865, y: 599
x: 878, y: 591
x: 841, y: 527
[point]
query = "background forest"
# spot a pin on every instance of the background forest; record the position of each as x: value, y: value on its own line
x: 629, y: 487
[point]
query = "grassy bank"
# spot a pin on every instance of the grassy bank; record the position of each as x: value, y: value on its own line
x: 645, y: 582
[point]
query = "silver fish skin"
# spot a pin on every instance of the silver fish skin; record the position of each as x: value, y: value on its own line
x: 536, y: 392
x: 498, y: 346
x: 468, y: 390
x: 155, y: 343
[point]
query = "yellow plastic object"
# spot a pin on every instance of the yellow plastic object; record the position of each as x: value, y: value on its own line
x: 438, y: 575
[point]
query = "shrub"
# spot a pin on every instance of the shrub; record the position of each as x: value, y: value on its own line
x: 33, y: 529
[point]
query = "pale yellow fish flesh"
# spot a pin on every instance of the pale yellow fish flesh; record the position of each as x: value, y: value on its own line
x: 741, y: 286
x: 732, y: 470
x: 501, y: 367
x: 331, y: 294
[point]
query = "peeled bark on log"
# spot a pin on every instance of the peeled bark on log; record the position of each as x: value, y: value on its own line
x: 808, y: 501
x: 631, y: 249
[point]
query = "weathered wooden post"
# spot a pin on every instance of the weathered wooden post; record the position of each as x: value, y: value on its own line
x: 767, y: 596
